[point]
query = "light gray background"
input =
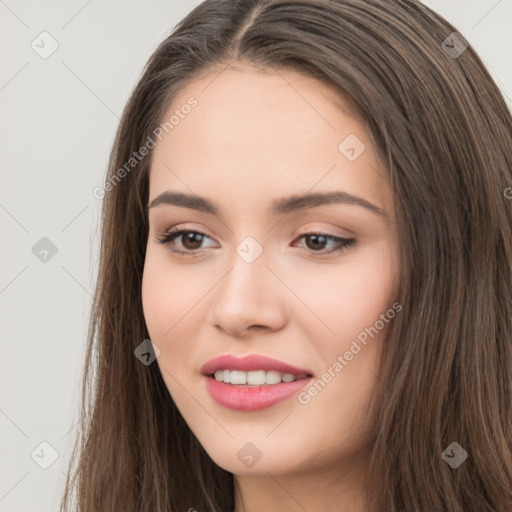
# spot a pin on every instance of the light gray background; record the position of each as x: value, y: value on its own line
x: 58, y: 121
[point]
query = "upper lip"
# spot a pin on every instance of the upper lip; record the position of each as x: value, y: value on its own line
x: 249, y: 363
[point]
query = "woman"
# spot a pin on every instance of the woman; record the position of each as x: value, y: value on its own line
x: 236, y: 365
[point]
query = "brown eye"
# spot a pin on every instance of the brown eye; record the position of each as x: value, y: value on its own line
x: 319, y: 240
x: 191, y: 241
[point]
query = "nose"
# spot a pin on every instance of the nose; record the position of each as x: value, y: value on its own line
x: 248, y: 299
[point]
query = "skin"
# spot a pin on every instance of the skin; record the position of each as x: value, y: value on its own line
x: 254, y: 137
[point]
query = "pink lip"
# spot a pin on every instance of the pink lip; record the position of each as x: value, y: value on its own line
x: 250, y: 363
x: 252, y: 398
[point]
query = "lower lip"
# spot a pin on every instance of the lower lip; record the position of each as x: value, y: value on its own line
x: 252, y: 398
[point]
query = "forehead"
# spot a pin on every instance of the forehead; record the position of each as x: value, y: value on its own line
x: 252, y: 132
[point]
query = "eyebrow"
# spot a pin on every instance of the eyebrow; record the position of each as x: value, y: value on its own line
x: 280, y: 206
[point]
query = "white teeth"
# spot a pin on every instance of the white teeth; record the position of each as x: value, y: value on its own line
x: 237, y: 377
x: 254, y: 378
x: 273, y: 377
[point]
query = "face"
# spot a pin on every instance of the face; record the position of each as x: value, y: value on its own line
x: 307, y: 283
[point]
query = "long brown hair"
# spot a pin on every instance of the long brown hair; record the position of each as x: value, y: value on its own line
x: 444, y: 134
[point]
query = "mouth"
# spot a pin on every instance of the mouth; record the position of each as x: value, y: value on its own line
x: 252, y: 382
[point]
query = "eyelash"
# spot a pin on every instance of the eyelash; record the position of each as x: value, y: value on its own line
x: 167, y: 238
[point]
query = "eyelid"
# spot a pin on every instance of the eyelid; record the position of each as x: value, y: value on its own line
x: 303, y: 231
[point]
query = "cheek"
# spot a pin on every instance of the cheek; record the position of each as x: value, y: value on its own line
x: 168, y: 293
x: 349, y: 297
x: 157, y: 303
x: 173, y: 300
